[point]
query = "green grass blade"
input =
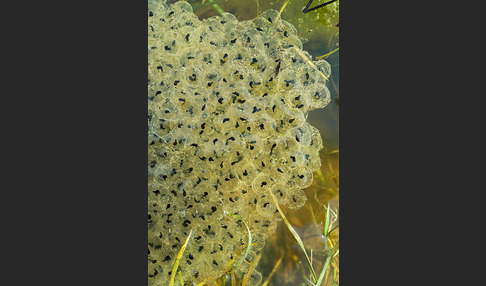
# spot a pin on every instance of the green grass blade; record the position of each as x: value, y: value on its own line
x: 249, y: 242
x: 310, y: 282
x: 216, y: 6
x: 296, y: 236
x: 326, y: 55
x: 329, y: 254
x: 323, y: 272
x: 176, y: 263
x: 326, y: 225
x: 180, y: 278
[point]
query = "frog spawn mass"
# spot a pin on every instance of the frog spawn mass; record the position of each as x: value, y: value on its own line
x: 227, y: 108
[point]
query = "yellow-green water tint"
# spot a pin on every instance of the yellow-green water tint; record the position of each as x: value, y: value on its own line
x: 282, y: 260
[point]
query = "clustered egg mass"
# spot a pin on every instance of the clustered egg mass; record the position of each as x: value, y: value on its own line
x: 227, y: 108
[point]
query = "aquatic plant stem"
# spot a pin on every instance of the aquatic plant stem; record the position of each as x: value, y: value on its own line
x: 283, y: 7
x: 217, y: 7
x: 296, y: 236
x: 245, y: 279
x: 180, y: 277
x: 178, y: 258
x: 328, y: 54
x: 310, y: 62
x: 273, y: 271
x: 328, y: 249
x: 249, y: 242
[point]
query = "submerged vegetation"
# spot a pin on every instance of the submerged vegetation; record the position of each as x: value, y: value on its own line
x: 305, y: 247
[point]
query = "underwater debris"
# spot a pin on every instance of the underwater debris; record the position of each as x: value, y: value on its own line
x: 225, y: 131
x: 307, y: 9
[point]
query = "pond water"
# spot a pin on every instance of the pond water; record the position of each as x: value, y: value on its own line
x: 321, y: 40
x: 282, y: 261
